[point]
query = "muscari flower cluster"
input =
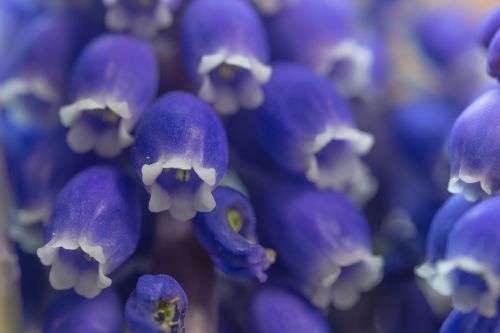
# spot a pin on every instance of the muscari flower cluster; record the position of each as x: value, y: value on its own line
x: 233, y: 166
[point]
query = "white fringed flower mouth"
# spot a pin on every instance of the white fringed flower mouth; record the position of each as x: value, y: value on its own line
x: 269, y: 7
x: 182, y: 205
x: 360, y: 59
x: 473, y: 187
x: 118, y: 18
x: 82, y: 138
x: 226, y: 101
x: 87, y: 283
x: 464, y: 298
x: 324, y: 176
x: 355, y: 273
x: 14, y: 90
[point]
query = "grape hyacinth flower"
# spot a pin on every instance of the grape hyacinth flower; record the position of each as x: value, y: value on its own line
x: 445, y: 35
x: 494, y: 57
x: 93, y: 229
x: 474, y: 149
x: 469, y: 322
x: 33, y: 86
x: 319, y: 35
x: 114, y: 80
x: 180, y: 154
x: 437, y: 240
x: 73, y: 313
x: 45, y: 170
x: 470, y: 272
x: 277, y: 310
x: 306, y: 127
x: 157, y: 304
x: 323, y: 240
x: 144, y: 18
x: 489, y: 26
x: 228, y: 233
x: 225, y: 53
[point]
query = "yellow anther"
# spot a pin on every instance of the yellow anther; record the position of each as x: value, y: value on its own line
x: 235, y: 219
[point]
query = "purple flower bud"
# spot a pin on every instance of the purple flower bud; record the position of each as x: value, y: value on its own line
x: 494, y: 57
x: 319, y: 35
x: 277, y: 310
x: 143, y: 18
x: 445, y: 35
x: 489, y: 26
x: 114, y: 81
x: 225, y: 53
x: 157, y: 304
x: 437, y: 240
x: 323, y: 240
x: 306, y: 127
x: 470, y: 272
x: 44, y: 171
x: 93, y: 229
x: 469, y: 322
x: 474, y: 149
x: 181, y: 154
x: 34, y: 84
x: 228, y: 234
x: 73, y: 313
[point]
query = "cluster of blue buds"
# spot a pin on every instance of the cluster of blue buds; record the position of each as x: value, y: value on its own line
x: 237, y: 166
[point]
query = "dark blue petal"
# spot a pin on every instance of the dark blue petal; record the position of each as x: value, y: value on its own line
x: 469, y: 322
x: 225, y: 53
x: 181, y: 154
x: 93, y: 229
x: 36, y: 81
x: 319, y: 35
x: 474, y: 148
x: 228, y: 234
x: 494, y: 57
x: 75, y: 314
x: 489, y: 26
x: 306, y: 127
x: 323, y: 240
x: 277, y: 310
x: 158, y: 304
x: 114, y: 81
x: 470, y: 272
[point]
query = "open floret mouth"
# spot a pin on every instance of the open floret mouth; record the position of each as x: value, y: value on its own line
x: 145, y: 24
x: 359, y: 60
x: 182, y: 201
x: 14, y: 94
x: 83, y: 136
x: 473, y: 187
x: 480, y: 291
x: 40, y: 213
x: 75, y: 264
x: 353, y: 274
x: 219, y: 69
x: 337, y: 173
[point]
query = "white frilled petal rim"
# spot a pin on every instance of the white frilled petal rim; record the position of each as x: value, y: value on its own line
x: 361, y: 59
x: 269, y: 7
x: 63, y: 276
x: 350, y: 168
x: 118, y: 18
x: 82, y: 138
x: 182, y: 205
x: 227, y: 101
x: 41, y: 213
x: 356, y: 273
x: 440, y: 277
x: 472, y: 186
